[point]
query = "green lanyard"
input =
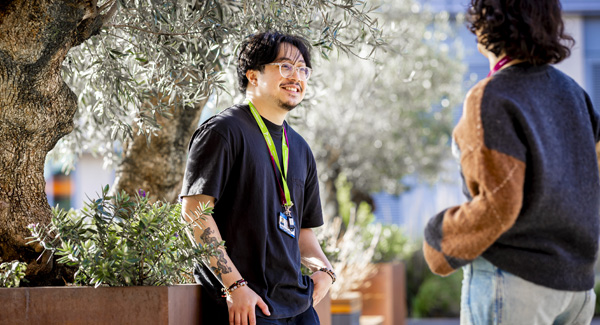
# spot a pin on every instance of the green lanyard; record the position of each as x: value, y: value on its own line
x: 284, y: 194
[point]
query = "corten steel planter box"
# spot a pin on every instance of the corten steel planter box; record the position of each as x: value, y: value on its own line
x: 346, y: 309
x: 385, y: 293
x: 179, y: 304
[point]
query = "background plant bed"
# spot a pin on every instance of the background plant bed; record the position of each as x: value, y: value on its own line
x: 178, y: 304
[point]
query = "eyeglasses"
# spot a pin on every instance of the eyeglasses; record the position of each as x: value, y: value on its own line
x: 287, y: 70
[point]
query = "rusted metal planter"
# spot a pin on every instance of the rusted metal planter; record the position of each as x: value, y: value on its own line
x: 346, y: 309
x: 384, y: 293
x: 179, y: 304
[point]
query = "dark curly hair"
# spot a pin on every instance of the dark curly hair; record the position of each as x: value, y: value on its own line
x: 263, y: 48
x: 530, y: 30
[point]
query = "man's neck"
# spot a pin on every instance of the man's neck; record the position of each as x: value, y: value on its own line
x: 267, y: 109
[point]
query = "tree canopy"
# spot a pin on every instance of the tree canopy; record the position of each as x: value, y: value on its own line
x: 377, y: 121
x: 156, y: 57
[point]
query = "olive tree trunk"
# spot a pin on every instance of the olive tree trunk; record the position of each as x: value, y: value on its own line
x: 36, y: 110
x: 157, y: 167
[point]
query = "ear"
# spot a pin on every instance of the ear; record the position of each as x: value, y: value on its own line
x: 252, y: 76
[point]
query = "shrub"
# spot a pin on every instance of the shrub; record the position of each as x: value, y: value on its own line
x: 118, y: 240
x: 597, y: 291
x: 11, y: 273
x: 438, y: 297
x: 393, y: 245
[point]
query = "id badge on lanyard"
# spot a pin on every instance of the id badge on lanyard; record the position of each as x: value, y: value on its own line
x: 286, y: 224
x: 285, y: 220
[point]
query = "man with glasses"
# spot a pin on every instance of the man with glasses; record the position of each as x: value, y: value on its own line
x: 260, y: 176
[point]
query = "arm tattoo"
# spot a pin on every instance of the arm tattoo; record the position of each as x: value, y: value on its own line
x: 222, y: 267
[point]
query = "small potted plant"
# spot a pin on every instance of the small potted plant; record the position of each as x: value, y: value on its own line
x: 130, y: 258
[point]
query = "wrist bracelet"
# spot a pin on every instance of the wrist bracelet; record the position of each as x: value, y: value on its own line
x: 330, y: 272
x: 239, y: 283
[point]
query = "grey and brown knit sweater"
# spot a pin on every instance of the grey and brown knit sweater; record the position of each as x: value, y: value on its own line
x: 527, y: 139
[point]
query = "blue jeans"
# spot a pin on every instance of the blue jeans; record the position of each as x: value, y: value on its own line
x: 309, y: 317
x: 493, y: 296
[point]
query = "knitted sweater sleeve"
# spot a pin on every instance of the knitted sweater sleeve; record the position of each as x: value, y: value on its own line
x: 494, y: 179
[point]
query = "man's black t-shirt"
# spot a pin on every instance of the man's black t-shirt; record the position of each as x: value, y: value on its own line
x: 229, y: 160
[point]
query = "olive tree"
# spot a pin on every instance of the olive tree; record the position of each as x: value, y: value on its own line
x: 376, y: 121
x: 146, y: 80
x: 138, y: 86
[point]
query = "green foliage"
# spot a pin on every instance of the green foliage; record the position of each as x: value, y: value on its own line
x: 364, y: 215
x: 438, y: 297
x: 379, y: 120
x: 353, y: 242
x: 11, y: 273
x: 392, y: 243
x: 118, y: 240
x: 417, y: 272
x: 159, y: 56
x: 597, y: 291
x: 428, y: 294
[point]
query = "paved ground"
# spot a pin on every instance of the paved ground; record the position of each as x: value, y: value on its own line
x: 455, y: 321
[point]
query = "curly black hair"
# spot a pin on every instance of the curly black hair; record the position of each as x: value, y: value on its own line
x: 529, y: 30
x: 263, y: 48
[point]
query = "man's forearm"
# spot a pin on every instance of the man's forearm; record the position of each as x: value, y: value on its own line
x: 310, y: 251
x: 206, y: 232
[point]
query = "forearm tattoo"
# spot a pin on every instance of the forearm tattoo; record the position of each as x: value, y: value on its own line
x: 222, y: 267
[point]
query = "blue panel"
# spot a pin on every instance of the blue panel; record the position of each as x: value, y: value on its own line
x: 595, y: 89
x: 592, y: 81
x: 472, y: 55
x: 581, y: 6
x: 591, y: 31
x: 453, y: 6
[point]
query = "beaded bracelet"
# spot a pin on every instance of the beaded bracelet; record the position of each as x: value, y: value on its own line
x: 239, y: 283
x: 330, y: 272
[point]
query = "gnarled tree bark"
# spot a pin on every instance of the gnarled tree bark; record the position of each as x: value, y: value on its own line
x: 158, y: 167
x: 36, y: 110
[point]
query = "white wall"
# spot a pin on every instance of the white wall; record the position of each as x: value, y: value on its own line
x: 88, y: 179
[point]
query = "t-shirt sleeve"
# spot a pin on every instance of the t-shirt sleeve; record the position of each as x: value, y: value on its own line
x: 208, y: 164
x: 313, y: 213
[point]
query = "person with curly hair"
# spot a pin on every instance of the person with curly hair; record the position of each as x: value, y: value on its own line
x: 527, y: 238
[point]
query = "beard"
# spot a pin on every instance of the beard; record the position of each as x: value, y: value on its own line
x: 287, y: 106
